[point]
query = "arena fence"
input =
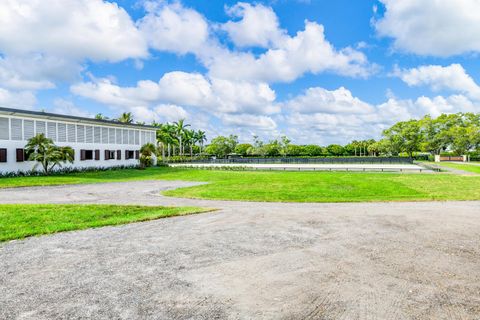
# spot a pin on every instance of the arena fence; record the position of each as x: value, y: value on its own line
x: 326, y: 160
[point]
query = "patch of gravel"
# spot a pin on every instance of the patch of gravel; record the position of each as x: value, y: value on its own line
x: 246, y: 261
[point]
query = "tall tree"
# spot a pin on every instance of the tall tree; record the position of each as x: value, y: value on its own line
x: 404, y: 136
x: 222, y: 146
x: 201, y: 138
x: 180, y: 127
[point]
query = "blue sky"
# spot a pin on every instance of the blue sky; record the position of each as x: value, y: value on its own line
x: 317, y: 71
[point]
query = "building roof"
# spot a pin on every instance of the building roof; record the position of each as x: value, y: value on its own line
x: 54, y: 116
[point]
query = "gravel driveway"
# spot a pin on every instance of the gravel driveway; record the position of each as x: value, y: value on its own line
x: 246, y: 261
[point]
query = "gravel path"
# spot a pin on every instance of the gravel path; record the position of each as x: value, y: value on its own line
x: 246, y: 261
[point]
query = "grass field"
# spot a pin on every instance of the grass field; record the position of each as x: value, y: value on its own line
x: 465, y: 167
x: 287, y: 186
x: 20, y: 221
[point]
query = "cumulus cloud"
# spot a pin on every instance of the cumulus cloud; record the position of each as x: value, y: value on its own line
x: 186, y: 89
x: 318, y: 99
x: 173, y: 28
x: 78, y: 29
x: 432, y: 27
x: 35, y: 71
x: 63, y: 106
x: 17, y: 99
x: 258, y: 26
x: 453, y: 77
x: 290, y: 58
x: 43, y: 42
x: 258, y: 122
x: 325, y: 125
x: 171, y: 112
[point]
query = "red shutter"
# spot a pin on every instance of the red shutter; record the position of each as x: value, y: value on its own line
x: 3, y: 155
x: 97, y: 155
x: 137, y: 154
x: 107, y: 155
x: 82, y: 155
x: 20, y: 155
x: 119, y: 154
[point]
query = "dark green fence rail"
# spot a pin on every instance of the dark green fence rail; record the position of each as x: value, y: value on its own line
x: 341, y: 160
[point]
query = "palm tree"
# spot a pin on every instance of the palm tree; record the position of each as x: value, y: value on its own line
x: 48, y: 155
x: 100, y: 116
x: 201, y: 138
x: 190, y: 140
x: 180, y: 127
x: 146, y: 155
x: 162, y: 137
x: 126, y: 117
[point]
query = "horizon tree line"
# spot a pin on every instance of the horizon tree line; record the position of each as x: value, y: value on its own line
x: 457, y: 133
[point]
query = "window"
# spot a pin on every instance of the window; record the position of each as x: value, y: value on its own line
x: 105, y: 135
x: 20, y: 155
x: 111, y: 136
x: 119, y: 154
x: 71, y: 133
x: 3, y: 155
x: 4, y: 129
x: 137, y: 137
x: 28, y: 129
x: 109, y: 154
x: 62, y: 132
x: 52, y: 130
x: 41, y: 127
x: 89, y: 134
x: 129, y: 154
x: 142, y: 138
x: 125, y: 136
x: 80, y: 133
x: 96, y: 134
x: 131, y: 137
x: 16, y: 129
x: 119, y: 136
x: 86, y: 155
x: 26, y: 155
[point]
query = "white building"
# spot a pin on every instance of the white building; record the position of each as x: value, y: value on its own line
x: 97, y: 143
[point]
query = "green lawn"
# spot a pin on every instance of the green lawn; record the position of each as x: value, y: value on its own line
x: 464, y: 167
x: 327, y: 186
x: 20, y: 221
x: 287, y: 186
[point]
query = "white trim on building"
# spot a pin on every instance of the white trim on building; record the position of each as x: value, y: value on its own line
x: 97, y: 143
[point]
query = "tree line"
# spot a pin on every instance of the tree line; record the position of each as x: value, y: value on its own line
x: 457, y: 134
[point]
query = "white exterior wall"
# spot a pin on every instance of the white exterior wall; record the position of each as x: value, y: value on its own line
x: 135, y: 141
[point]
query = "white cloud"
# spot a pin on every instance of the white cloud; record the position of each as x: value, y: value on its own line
x: 43, y: 42
x: 170, y: 112
x: 307, y: 51
x: 453, y: 77
x: 328, y: 125
x: 186, y: 89
x: 36, y: 72
x: 321, y: 100
x: 62, y: 106
x: 258, y: 26
x: 77, y: 29
x: 432, y: 27
x: 17, y: 99
x: 174, y: 28
x: 249, y: 121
